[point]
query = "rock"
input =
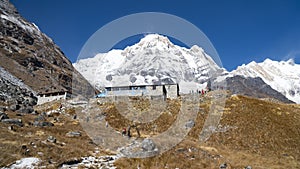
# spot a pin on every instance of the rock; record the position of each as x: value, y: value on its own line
x: 73, y: 134
x: 17, y: 122
x: 11, y: 128
x: 18, y: 114
x: 148, y: 145
x: 190, y: 124
x: 32, y: 101
x: 14, y: 107
x: 23, y: 101
x: 43, y: 124
x: 181, y: 150
x: 223, y: 166
x: 34, y: 113
x: 51, y: 139
x: 26, y: 110
x: 2, y: 109
x: 73, y: 161
x: 3, y: 116
x: 40, y: 118
x: 248, y: 167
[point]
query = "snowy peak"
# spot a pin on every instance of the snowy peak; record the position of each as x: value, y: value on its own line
x: 153, y: 60
x: 283, y: 76
x: 151, y: 42
x: 155, y: 40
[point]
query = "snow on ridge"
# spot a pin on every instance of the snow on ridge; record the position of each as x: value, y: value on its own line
x: 36, y: 26
x: 31, y: 28
x: 282, y: 76
x: 94, y: 68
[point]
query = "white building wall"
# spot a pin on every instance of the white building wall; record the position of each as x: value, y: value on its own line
x: 158, y: 91
x: 43, y: 99
x: 148, y: 91
x: 172, y: 92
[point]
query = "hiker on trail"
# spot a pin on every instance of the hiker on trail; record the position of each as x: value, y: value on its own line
x: 124, y: 131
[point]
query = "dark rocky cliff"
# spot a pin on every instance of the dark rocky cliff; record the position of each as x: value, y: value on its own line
x: 31, y: 56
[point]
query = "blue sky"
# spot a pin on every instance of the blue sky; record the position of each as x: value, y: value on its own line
x: 241, y: 31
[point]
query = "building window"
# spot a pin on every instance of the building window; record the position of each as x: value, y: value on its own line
x: 115, y: 89
x: 153, y: 87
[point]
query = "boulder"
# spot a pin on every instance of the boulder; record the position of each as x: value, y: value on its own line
x: 42, y: 124
x: 223, y: 166
x: 46, y: 124
x: 11, y: 128
x: 40, y: 118
x: 17, y: 122
x: 51, y: 139
x: 32, y: 101
x: 148, y: 145
x: 2, y: 108
x: 3, y: 116
x: 73, y: 134
x: 24, y: 101
x: 190, y: 124
x: 26, y: 110
x: 14, y: 107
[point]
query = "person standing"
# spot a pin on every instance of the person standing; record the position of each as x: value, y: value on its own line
x: 124, y: 131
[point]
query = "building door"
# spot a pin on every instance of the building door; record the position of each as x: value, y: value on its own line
x: 164, y: 92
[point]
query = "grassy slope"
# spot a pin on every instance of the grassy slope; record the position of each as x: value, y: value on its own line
x: 261, y: 134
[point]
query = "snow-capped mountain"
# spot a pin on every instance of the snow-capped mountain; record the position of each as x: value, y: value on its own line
x: 282, y: 76
x: 153, y: 60
x: 156, y: 60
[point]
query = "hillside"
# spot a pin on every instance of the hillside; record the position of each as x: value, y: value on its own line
x: 252, y: 132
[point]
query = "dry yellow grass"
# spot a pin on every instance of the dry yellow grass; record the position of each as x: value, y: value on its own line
x: 261, y: 134
x: 35, y: 139
x: 259, y: 137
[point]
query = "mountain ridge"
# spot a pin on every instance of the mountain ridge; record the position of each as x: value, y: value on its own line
x: 282, y: 76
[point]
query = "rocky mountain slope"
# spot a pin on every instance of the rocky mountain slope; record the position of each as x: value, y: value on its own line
x: 14, y: 94
x: 32, y: 57
x: 252, y: 86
